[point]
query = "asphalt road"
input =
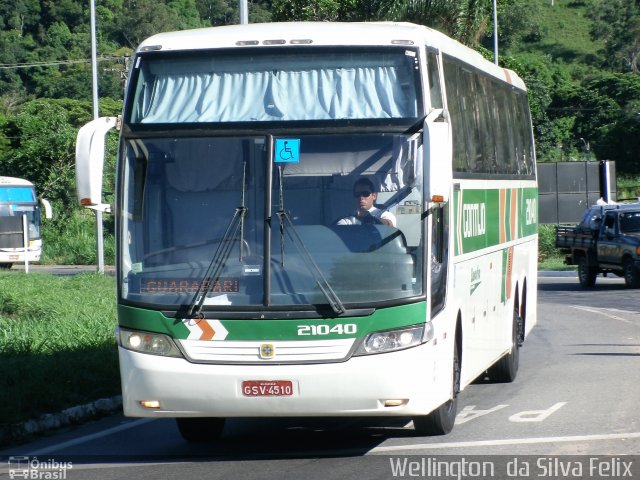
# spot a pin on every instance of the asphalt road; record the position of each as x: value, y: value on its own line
x: 571, y: 413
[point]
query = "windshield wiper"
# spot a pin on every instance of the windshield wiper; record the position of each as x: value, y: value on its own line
x: 323, y: 284
x: 234, y: 232
x: 218, y: 263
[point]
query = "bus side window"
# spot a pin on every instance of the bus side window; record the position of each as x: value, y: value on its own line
x: 439, y: 256
x: 435, y: 90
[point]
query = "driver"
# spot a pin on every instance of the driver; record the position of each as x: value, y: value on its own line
x: 365, y: 194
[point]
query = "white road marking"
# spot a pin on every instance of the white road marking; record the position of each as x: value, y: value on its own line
x: 470, y: 413
x: 606, y: 313
x: 509, y: 442
x: 536, y: 415
x: 88, y: 438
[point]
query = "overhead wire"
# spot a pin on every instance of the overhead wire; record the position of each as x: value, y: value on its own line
x: 8, y: 66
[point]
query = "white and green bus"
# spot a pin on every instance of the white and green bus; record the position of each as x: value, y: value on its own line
x: 20, y: 215
x: 241, y: 295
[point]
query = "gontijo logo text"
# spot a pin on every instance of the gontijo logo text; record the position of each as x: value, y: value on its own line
x: 474, y: 219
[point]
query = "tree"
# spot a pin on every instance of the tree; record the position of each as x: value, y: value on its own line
x: 217, y: 12
x: 464, y: 20
x: 311, y: 10
x: 13, y: 50
x: 41, y: 137
x: 187, y: 11
x: 19, y: 15
x: 260, y: 11
x: 616, y: 127
x: 42, y: 148
x: 617, y: 22
x: 142, y: 18
x: 516, y: 22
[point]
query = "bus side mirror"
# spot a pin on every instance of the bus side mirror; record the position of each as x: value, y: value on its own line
x: 90, y: 144
x: 46, y: 206
x: 438, y: 165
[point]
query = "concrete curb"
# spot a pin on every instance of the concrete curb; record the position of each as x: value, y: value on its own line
x: 52, y: 421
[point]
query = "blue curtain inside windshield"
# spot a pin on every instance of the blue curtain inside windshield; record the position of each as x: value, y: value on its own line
x: 249, y: 88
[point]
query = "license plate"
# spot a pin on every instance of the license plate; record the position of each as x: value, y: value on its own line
x: 267, y: 388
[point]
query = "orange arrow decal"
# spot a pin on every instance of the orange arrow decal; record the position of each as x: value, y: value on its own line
x: 207, y: 331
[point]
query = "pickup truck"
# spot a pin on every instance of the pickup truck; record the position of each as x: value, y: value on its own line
x: 607, y: 240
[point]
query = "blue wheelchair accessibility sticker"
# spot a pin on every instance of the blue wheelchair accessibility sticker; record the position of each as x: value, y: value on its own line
x: 287, y: 150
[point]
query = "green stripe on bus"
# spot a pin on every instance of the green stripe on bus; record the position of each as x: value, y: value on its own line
x: 332, y: 328
x: 150, y: 321
x: 488, y: 217
x: 528, y: 205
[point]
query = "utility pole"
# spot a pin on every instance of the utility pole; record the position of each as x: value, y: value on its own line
x: 495, y: 32
x: 244, y: 12
x: 94, y: 85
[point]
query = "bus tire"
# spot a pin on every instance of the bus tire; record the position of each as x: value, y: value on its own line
x: 442, y: 419
x: 200, y: 430
x: 505, y: 369
x: 6, y: 266
x: 586, y: 273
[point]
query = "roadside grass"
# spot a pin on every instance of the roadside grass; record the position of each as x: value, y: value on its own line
x: 628, y: 188
x: 71, y: 239
x: 554, y: 264
x: 57, y: 346
x: 549, y: 257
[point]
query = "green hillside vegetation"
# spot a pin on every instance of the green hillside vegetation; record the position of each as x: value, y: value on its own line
x: 565, y: 36
x: 577, y: 66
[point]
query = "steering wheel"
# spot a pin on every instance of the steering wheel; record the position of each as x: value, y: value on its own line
x: 371, y: 220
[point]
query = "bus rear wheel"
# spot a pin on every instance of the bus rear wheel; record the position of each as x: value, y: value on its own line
x: 506, y: 369
x: 200, y: 430
x: 442, y: 419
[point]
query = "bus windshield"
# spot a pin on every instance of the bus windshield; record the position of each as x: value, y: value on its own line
x: 245, y: 86
x: 16, y: 201
x: 188, y: 202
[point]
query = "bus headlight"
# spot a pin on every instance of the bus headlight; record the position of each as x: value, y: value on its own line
x: 146, y: 342
x: 392, y: 340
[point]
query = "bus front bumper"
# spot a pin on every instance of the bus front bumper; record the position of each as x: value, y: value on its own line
x: 414, y: 381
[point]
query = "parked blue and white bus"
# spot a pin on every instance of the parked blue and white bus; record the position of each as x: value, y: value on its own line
x: 20, y: 206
